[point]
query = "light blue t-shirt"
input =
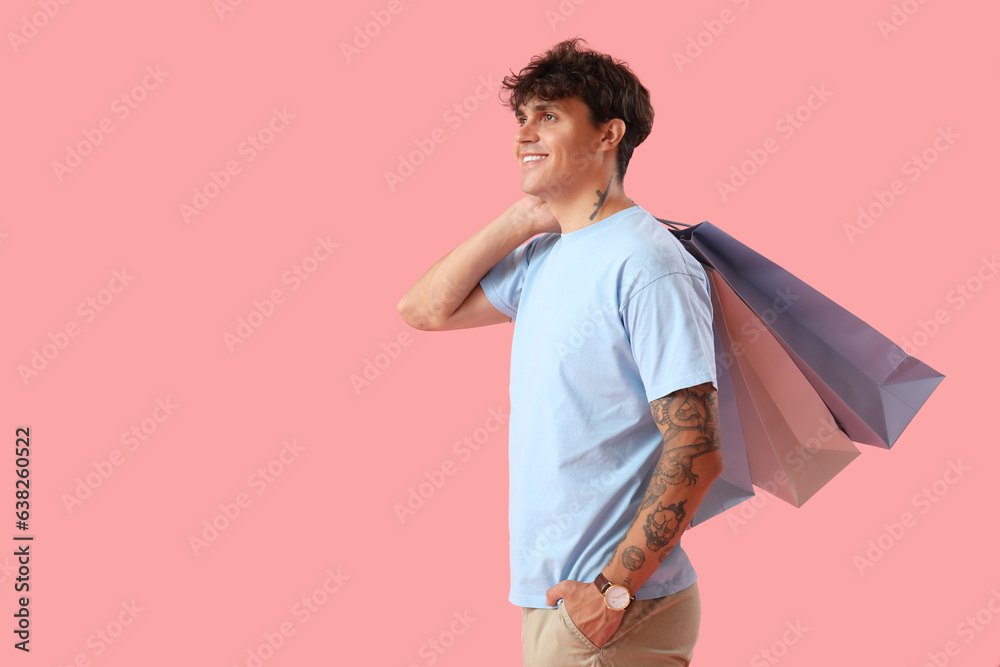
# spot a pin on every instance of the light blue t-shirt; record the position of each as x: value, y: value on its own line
x: 607, y: 318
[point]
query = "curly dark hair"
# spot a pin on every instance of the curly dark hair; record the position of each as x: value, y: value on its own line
x: 605, y: 84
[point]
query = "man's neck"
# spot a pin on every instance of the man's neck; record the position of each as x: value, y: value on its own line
x: 590, y: 206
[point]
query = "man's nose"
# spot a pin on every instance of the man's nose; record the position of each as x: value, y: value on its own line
x: 526, y: 133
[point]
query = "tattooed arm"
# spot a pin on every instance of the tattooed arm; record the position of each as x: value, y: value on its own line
x: 690, y: 460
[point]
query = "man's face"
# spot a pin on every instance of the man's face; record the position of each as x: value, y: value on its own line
x: 556, y: 146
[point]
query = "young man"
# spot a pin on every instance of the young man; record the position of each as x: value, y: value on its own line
x: 613, y: 420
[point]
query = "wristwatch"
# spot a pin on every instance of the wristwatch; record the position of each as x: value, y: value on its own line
x: 616, y: 596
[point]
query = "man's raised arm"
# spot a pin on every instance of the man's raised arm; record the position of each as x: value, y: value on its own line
x: 448, y: 295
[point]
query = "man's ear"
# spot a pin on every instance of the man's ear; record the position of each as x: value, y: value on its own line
x: 614, y: 130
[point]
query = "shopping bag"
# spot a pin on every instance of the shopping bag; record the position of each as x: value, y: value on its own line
x: 734, y: 485
x: 870, y: 385
x: 793, y: 444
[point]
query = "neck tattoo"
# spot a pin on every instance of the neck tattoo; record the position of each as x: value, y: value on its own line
x: 601, y: 196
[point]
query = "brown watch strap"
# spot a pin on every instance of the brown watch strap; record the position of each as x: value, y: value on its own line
x: 602, y: 584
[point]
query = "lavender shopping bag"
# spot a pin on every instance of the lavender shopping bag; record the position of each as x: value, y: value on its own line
x: 871, y: 386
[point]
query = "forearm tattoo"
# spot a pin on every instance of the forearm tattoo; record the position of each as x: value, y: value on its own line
x: 684, y: 411
x: 662, y: 524
x: 633, y: 558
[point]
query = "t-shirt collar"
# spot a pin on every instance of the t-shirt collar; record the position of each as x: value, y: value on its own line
x: 599, y: 225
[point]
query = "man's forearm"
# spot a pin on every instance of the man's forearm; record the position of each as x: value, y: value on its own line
x: 443, y: 288
x: 690, y: 461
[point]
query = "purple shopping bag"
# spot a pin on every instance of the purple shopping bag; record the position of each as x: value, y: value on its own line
x: 871, y: 386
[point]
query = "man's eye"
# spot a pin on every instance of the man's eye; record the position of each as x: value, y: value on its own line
x: 550, y: 116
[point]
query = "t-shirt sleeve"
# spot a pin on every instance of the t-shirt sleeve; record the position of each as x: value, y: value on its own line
x: 502, y: 284
x: 669, y: 325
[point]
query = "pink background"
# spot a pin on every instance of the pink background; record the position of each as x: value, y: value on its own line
x: 331, y: 507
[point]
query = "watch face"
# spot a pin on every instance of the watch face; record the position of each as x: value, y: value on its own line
x: 617, y: 597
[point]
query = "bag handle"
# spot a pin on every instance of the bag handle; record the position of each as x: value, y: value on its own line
x: 672, y: 225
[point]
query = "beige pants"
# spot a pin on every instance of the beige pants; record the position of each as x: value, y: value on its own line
x: 661, y: 631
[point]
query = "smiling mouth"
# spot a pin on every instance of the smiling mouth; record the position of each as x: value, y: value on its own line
x: 528, y: 159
